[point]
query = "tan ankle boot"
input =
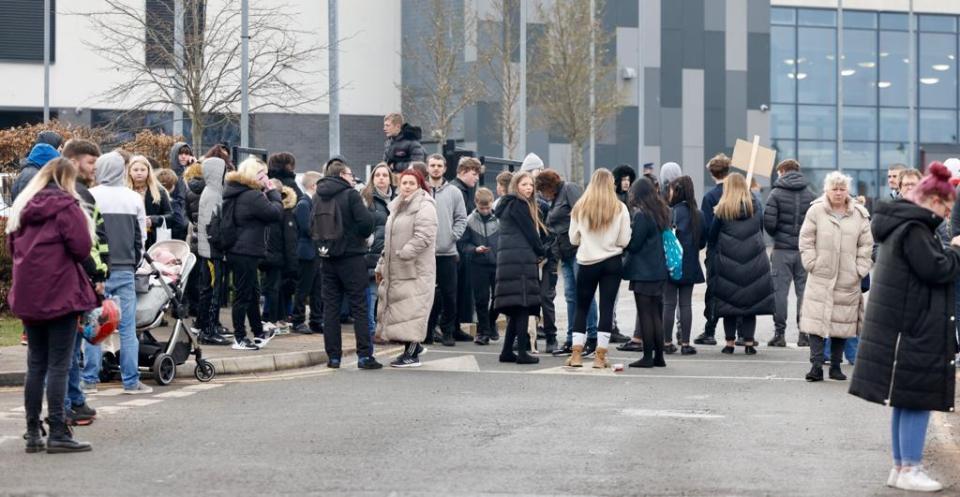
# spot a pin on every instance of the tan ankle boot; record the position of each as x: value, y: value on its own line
x: 600, y: 359
x: 576, y: 358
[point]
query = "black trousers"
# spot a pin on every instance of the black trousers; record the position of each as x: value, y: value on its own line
x: 605, y: 275
x: 710, y: 329
x: 308, y: 292
x: 817, y: 343
x: 193, y: 289
x: 518, y: 319
x: 49, y: 355
x: 650, y: 322
x: 274, y: 310
x: 674, y: 295
x: 345, y: 277
x: 548, y: 293
x: 464, y: 291
x: 246, y: 303
x: 483, y: 281
x: 210, y: 286
x: 444, y: 311
x: 743, y: 326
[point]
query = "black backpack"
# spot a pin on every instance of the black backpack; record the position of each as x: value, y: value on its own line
x: 222, y: 230
x: 326, y: 226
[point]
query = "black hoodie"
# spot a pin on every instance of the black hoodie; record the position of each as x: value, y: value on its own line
x: 254, y: 212
x: 906, y: 354
x: 786, y: 208
x: 399, y: 151
x: 357, y: 219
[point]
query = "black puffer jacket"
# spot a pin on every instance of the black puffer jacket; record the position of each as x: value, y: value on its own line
x: 380, y: 213
x: 254, y: 211
x: 287, y: 178
x: 193, y: 176
x: 160, y: 213
x: 282, y: 237
x: 357, y: 219
x: 786, y: 208
x: 907, y: 346
x: 399, y: 151
x: 558, y: 218
x: 740, y: 270
x: 518, y: 277
x: 645, y: 260
x: 468, y: 194
x: 691, y: 241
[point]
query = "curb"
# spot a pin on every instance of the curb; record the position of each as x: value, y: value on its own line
x: 226, y: 365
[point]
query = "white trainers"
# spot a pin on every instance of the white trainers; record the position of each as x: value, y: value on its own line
x: 268, y: 334
x: 140, y: 389
x: 916, y: 479
x: 892, y: 479
x: 244, y: 344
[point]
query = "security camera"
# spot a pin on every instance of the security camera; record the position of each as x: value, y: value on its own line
x: 764, y: 107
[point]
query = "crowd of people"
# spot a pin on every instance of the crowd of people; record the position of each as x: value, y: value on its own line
x: 411, y: 257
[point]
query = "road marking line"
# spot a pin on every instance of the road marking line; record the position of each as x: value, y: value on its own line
x: 110, y: 392
x: 175, y: 394
x: 7, y: 438
x: 111, y: 409
x: 630, y: 358
x: 141, y: 402
x: 669, y: 413
x: 465, y: 363
x: 19, y: 409
x: 203, y: 386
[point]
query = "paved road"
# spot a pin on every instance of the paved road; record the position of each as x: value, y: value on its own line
x: 707, y: 425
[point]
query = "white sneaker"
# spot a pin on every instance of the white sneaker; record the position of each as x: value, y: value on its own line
x: 916, y: 479
x: 244, y: 344
x: 140, y: 389
x: 268, y: 335
x: 892, y: 479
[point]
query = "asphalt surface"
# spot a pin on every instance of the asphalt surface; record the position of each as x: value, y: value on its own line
x: 464, y: 424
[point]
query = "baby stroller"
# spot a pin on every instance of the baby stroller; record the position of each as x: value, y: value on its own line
x: 157, y: 292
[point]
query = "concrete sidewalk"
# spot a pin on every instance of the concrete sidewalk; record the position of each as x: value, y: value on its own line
x: 287, y: 351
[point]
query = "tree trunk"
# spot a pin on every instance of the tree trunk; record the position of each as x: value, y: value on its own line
x: 196, y: 134
x: 576, y: 162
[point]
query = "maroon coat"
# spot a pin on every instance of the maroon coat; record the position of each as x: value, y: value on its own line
x: 53, y: 239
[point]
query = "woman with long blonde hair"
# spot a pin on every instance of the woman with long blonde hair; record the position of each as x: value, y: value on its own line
x: 600, y: 226
x: 50, y: 235
x: 740, y: 275
x: 517, y: 288
x: 142, y: 179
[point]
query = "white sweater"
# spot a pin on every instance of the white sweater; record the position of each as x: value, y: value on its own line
x: 598, y: 246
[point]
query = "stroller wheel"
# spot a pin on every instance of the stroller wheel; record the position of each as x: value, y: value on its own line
x: 204, y: 371
x: 164, y: 369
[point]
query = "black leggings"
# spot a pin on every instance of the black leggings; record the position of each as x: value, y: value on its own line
x: 649, y: 319
x: 518, y: 319
x: 605, y: 274
x: 49, y: 354
x: 672, y: 295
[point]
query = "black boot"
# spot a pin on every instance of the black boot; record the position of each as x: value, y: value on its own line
x: 836, y: 359
x: 803, y: 340
x: 777, y: 341
x: 448, y: 340
x: 34, y: 436
x: 61, y: 440
x: 506, y: 354
x: 836, y: 373
x: 523, y: 346
x: 816, y: 373
x: 551, y: 345
x: 658, y: 349
x: 211, y: 337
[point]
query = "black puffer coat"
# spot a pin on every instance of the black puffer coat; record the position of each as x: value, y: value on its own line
x: 254, y: 211
x: 740, y: 270
x: 518, y: 277
x: 399, y: 151
x: 380, y: 213
x: 692, y: 243
x: 907, y: 346
x: 786, y: 208
x: 282, y: 237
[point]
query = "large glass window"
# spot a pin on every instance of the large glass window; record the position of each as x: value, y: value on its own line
x: 816, y: 122
x: 859, y: 19
x: 786, y: 149
x: 783, y: 64
x: 938, y: 70
x: 938, y: 126
x: 783, y: 121
x: 816, y: 66
x: 894, y: 68
x: 859, y: 72
x: 860, y: 123
x: 783, y: 16
x: 894, y: 125
x: 892, y: 153
x: 818, y: 154
x: 943, y: 24
x: 817, y: 17
x: 859, y: 155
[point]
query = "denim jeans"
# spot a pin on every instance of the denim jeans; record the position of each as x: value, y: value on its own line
x: 75, y: 396
x: 119, y: 284
x: 372, y: 310
x: 849, y: 349
x: 909, y: 430
x: 569, y: 267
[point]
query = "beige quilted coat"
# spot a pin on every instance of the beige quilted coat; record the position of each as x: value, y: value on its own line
x: 836, y: 254
x: 409, y: 269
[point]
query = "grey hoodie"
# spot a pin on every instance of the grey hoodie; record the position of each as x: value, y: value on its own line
x: 123, y: 212
x: 174, y: 162
x: 451, y: 218
x: 211, y: 200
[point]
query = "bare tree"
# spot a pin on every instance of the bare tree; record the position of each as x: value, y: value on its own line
x: 140, y: 44
x: 497, y: 56
x: 448, y: 85
x: 561, y: 80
